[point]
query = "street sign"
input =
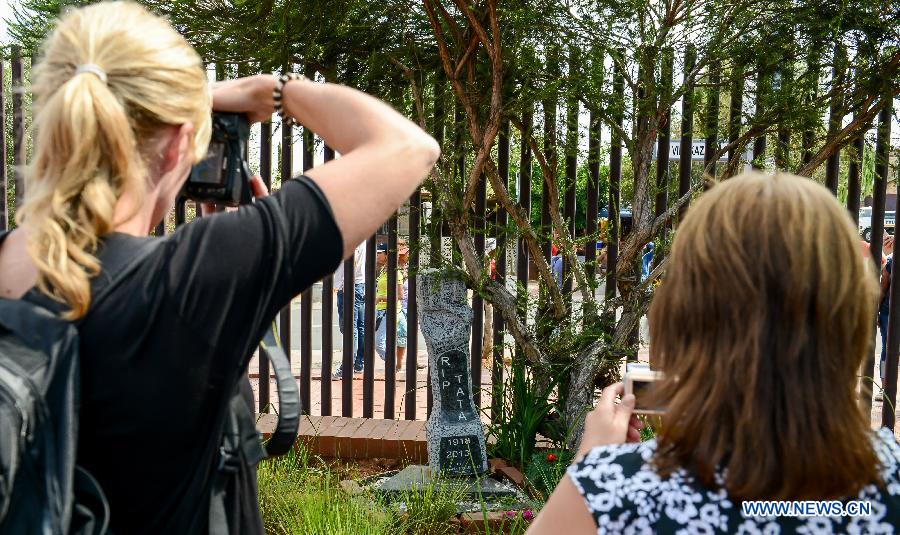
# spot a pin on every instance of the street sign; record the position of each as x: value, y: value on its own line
x: 698, y: 150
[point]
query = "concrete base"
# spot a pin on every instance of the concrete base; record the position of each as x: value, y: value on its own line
x: 416, y: 478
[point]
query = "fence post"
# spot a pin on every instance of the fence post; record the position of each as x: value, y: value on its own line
x: 327, y: 325
x: 412, y: 312
x: 687, y: 128
x: 571, y: 170
x: 306, y: 299
x: 18, y: 124
x: 349, y: 331
x: 712, y: 120
x: 593, y: 192
x: 811, y: 93
x: 662, y: 147
x: 390, y: 319
x: 524, y: 200
x: 265, y: 172
x: 833, y: 163
x: 735, y: 116
x: 287, y: 171
x: 759, y: 144
x: 615, y: 174
x: 369, y: 332
x: 477, y: 301
x: 882, y: 166
x: 853, y: 179
x: 879, y: 194
x: 434, y: 223
x: 783, y: 144
x: 500, y: 263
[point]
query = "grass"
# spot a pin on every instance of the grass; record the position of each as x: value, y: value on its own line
x: 300, y: 494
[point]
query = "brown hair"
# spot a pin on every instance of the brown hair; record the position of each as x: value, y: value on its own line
x: 761, y: 326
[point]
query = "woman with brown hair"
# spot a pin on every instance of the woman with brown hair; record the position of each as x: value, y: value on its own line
x: 760, y: 328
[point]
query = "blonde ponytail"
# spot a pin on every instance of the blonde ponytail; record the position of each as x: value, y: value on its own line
x: 89, y: 132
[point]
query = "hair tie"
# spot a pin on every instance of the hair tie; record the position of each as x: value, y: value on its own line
x: 93, y: 69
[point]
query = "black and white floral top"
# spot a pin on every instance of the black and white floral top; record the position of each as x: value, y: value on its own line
x: 624, y: 494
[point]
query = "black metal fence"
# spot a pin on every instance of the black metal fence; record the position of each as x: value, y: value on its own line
x: 490, y: 222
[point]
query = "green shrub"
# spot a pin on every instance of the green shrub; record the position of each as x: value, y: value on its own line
x: 545, y: 469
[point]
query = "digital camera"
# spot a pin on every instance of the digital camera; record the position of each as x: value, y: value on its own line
x: 638, y: 380
x: 223, y: 176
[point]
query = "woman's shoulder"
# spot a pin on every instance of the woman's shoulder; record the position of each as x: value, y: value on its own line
x: 614, y: 468
x: 888, y: 451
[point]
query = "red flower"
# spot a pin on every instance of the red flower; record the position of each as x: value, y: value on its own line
x: 551, y: 457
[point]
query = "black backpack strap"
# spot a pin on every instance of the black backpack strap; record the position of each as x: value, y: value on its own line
x: 240, y: 441
x: 282, y: 439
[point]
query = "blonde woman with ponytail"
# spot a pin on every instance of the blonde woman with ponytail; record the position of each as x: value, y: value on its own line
x: 122, y: 112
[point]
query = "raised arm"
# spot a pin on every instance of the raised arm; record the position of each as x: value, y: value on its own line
x: 384, y: 156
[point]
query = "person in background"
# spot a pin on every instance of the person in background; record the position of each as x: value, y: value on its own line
x: 381, y: 300
x: 887, y: 250
x: 760, y: 339
x: 357, y: 323
x: 646, y: 261
x: 403, y: 296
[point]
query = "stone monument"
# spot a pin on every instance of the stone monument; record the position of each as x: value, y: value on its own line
x: 456, y: 445
x: 457, y: 452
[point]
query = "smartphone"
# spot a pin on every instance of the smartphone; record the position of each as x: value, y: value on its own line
x: 638, y: 380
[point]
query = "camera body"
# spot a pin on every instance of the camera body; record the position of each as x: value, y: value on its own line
x: 638, y: 379
x: 223, y: 176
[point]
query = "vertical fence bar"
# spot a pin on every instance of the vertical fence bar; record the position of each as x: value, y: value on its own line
x: 412, y: 311
x: 882, y: 166
x: 327, y: 323
x: 369, y: 332
x: 571, y: 171
x: 349, y: 330
x: 811, y: 94
x: 593, y: 193
x: 287, y: 171
x: 434, y: 223
x: 879, y: 195
x: 306, y: 302
x: 759, y: 143
x: 18, y: 124
x: 687, y: 128
x: 500, y: 269
x: 549, y: 106
x: 4, y: 178
x: 833, y: 163
x: 735, y: 116
x: 265, y: 173
x: 853, y: 176
x: 662, y: 146
x: 180, y: 211
x: 615, y: 175
x: 477, y: 301
x: 783, y: 139
x: 712, y: 120
x: 390, y: 328
x: 524, y: 200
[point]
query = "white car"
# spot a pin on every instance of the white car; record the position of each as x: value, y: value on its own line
x: 865, y: 222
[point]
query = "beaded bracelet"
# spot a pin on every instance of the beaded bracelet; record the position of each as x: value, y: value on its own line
x: 277, y: 95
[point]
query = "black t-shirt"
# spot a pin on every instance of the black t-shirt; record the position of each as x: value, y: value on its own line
x: 160, y: 354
